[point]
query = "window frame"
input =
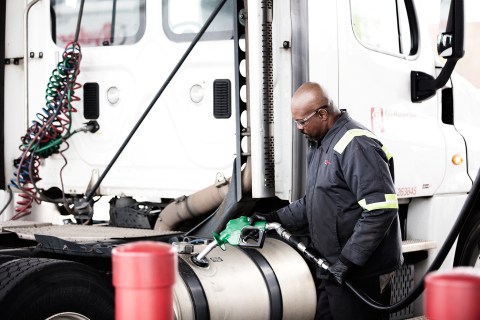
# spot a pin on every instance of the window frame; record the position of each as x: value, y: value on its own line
x: 188, y: 37
x: 414, y: 34
x: 141, y: 30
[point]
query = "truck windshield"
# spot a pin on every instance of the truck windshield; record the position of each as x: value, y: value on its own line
x: 104, y: 22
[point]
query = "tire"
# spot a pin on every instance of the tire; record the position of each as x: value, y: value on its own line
x: 468, y: 245
x: 37, y: 289
x: 5, y: 259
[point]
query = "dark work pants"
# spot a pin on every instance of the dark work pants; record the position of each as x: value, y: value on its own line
x: 340, y: 303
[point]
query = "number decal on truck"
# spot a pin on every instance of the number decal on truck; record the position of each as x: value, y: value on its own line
x: 408, y: 191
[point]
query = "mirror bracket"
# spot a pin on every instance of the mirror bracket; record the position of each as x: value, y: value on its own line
x: 424, y: 86
x: 451, y: 46
x: 416, y: 94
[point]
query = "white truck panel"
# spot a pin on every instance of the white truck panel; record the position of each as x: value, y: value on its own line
x: 281, y: 97
x: 179, y: 141
x: 375, y: 86
x: 456, y: 177
x: 323, y: 45
x: 432, y: 218
x: 466, y: 107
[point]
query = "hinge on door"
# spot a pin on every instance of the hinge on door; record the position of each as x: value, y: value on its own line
x: 16, y: 61
x: 240, y: 32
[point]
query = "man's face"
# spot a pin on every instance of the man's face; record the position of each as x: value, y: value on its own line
x: 315, y: 128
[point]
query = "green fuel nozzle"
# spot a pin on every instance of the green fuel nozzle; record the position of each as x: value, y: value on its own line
x: 237, y: 233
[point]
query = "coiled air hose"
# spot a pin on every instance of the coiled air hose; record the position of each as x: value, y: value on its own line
x: 315, y: 257
x: 48, y: 132
x: 45, y: 136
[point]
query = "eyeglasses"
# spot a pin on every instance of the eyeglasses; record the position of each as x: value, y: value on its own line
x: 303, y: 123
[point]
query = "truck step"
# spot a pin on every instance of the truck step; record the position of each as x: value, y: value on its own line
x: 20, y: 223
x: 418, y: 245
x: 80, y: 233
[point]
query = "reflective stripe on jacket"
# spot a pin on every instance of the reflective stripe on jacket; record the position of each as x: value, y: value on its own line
x: 350, y: 204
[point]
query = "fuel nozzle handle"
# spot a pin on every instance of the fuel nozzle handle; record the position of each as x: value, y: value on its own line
x: 309, y: 253
x: 236, y: 234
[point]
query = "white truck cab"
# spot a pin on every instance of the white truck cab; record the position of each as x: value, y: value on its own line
x: 229, y: 103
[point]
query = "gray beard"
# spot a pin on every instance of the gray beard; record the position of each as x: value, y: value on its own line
x: 309, y: 138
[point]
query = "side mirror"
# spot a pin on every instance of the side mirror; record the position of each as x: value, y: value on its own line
x: 451, y: 37
x: 450, y: 45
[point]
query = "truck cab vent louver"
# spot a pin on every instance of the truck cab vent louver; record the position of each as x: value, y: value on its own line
x: 91, y: 103
x: 222, y: 106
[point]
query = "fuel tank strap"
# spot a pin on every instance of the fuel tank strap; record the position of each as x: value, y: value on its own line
x: 274, y: 291
x: 200, y: 303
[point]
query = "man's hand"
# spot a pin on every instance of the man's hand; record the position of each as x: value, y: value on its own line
x: 257, y: 216
x: 338, y: 272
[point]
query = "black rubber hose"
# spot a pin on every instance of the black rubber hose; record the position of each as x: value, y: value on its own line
x: 79, y: 23
x: 10, y: 197
x: 294, y: 240
x: 311, y: 254
x: 442, y: 254
x: 114, y: 15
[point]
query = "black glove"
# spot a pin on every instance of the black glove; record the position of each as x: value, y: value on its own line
x: 268, y: 217
x: 338, y: 272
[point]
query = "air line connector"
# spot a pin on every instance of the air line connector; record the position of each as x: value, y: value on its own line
x: 90, y: 126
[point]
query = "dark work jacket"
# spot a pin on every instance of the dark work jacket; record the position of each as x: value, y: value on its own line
x: 350, y: 204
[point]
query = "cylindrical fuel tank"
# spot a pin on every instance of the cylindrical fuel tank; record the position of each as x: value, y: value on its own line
x: 271, y: 283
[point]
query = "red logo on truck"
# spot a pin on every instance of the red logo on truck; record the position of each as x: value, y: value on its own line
x: 377, y: 120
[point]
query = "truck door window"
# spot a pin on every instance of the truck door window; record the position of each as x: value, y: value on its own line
x: 382, y: 25
x: 182, y: 19
x: 104, y: 22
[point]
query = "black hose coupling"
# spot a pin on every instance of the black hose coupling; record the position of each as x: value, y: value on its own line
x: 90, y: 126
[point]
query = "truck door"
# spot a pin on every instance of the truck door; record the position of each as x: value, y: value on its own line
x: 129, y: 48
x: 379, y: 44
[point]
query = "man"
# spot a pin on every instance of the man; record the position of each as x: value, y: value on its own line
x: 350, y: 206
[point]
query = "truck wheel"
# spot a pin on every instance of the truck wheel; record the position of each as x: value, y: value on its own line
x: 67, y: 316
x: 40, y: 289
x: 468, y: 245
x: 4, y: 259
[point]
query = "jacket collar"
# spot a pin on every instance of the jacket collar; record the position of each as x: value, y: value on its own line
x: 327, y: 140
